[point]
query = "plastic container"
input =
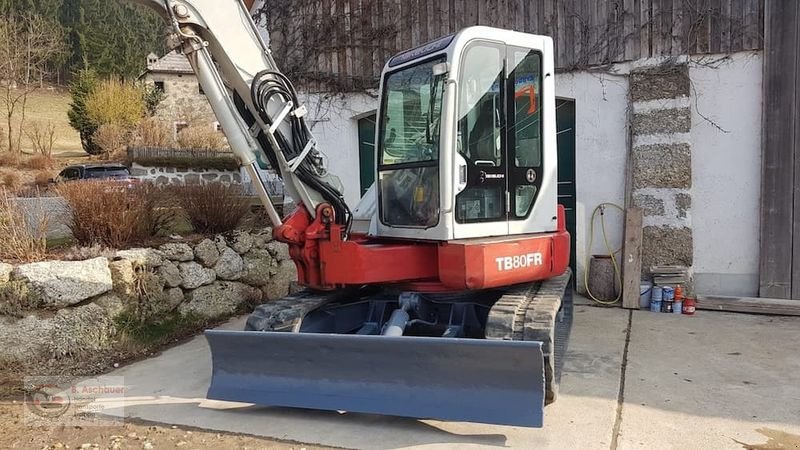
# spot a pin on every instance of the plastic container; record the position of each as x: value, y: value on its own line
x: 645, y: 291
x: 689, y: 306
x: 677, y: 308
x: 656, y: 296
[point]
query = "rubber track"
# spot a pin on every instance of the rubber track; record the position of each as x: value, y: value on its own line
x: 532, y: 312
x: 286, y: 313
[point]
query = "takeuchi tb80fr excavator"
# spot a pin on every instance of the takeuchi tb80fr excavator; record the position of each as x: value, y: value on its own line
x: 444, y: 293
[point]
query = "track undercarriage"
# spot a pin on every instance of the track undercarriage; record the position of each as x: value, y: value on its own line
x: 473, y: 356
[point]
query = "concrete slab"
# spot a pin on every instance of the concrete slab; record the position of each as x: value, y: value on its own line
x: 171, y: 387
x: 715, y: 380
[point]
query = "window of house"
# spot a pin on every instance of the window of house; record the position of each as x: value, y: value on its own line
x: 180, y: 126
x: 159, y: 85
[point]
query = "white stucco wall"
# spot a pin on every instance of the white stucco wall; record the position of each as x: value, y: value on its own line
x: 334, y: 123
x: 601, y: 102
x: 726, y: 178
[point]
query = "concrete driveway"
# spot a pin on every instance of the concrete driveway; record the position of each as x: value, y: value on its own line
x: 631, y: 380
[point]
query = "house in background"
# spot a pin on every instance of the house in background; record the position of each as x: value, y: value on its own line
x: 184, y: 102
x: 660, y: 107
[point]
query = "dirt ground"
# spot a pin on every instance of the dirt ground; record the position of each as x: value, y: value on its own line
x: 15, y: 433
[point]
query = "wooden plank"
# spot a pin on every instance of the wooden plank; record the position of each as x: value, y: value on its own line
x: 628, y: 30
x: 737, y: 31
x: 666, y: 27
x: 472, y: 12
x: 772, y: 306
x: 519, y: 12
x: 725, y: 27
x: 632, y: 262
x: 646, y: 29
x: 793, y: 121
x: 778, y: 199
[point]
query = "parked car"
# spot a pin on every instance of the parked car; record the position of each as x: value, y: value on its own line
x: 116, y: 172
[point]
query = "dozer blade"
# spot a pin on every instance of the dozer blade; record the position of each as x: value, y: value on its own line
x: 471, y: 380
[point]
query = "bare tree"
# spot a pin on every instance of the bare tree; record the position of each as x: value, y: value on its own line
x: 29, y: 45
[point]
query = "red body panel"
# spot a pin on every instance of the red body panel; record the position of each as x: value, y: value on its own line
x: 325, y: 261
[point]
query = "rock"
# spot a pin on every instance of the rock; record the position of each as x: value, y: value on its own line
x: 142, y: 256
x: 229, y: 266
x: 194, y: 275
x: 64, y: 283
x: 262, y: 237
x: 280, y: 283
x: 147, y: 446
x: 81, y: 330
x: 220, y: 299
x: 171, y: 274
x: 172, y: 299
x: 240, y: 241
x: 122, y: 276
x: 5, y: 272
x: 25, y: 340
x: 221, y: 244
x: 111, y: 304
x: 278, y: 250
x: 177, y: 251
x: 257, y: 265
x: 206, y: 252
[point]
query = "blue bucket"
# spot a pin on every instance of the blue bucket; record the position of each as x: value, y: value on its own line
x: 656, y: 295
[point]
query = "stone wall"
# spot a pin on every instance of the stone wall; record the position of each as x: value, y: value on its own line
x: 60, y: 309
x: 171, y: 175
x: 662, y: 163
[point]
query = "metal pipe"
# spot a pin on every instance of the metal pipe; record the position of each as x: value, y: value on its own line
x: 396, y: 325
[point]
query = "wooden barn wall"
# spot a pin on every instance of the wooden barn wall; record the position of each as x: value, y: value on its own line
x: 349, y: 40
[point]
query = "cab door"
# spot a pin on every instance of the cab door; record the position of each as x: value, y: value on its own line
x: 481, y: 206
x: 500, y: 166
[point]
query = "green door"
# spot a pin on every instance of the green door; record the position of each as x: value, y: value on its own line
x: 565, y: 124
x: 366, y: 151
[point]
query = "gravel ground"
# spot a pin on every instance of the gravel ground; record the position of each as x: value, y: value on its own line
x: 15, y: 433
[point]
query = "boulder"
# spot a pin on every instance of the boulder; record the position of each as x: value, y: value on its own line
x: 257, y: 265
x: 221, y: 243
x: 172, y: 299
x: 82, y: 330
x: 229, y: 266
x: 279, y: 284
x: 123, y: 276
x: 194, y: 275
x: 25, y: 340
x: 63, y: 283
x: 206, y: 252
x: 240, y: 241
x: 142, y: 256
x: 5, y: 272
x: 111, y: 303
x: 262, y: 237
x: 177, y: 251
x: 220, y: 299
x: 170, y: 273
x: 278, y: 250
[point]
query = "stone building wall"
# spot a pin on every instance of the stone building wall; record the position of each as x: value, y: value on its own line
x: 183, y: 102
x: 662, y: 163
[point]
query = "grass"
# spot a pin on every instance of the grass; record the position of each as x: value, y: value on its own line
x: 51, y: 105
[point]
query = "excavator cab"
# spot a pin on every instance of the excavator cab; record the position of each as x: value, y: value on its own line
x: 466, y: 142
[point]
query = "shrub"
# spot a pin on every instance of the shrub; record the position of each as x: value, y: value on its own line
x: 11, y: 181
x: 42, y: 179
x: 108, y: 213
x: 80, y: 253
x: 198, y: 137
x: 115, y: 102
x: 8, y: 159
x: 16, y: 298
x: 152, y: 132
x: 213, y: 207
x: 111, y: 138
x: 38, y: 162
x: 42, y: 137
x: 23, y: 236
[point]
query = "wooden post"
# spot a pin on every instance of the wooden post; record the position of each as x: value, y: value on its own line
x: 632, y: 259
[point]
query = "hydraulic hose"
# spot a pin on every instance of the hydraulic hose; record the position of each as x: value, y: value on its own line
x: 600, y: 209
x: 268, y: 84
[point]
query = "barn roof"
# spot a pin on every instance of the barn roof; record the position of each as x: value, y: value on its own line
x: 172, y: 62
